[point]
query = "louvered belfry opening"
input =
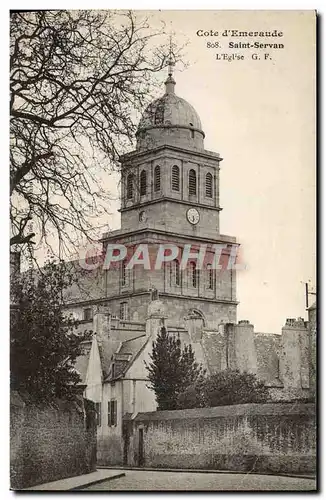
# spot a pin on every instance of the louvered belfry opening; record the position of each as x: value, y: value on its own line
x: 157, y: 178
x: 209, y: 185
x: 175, y: 178
x: 130, y: 186
x: 143, y: 183
x: 192, y: 182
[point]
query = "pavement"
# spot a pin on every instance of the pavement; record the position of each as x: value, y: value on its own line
x: 142, y: 480
x: 79, y: 482
x: 109, y: 479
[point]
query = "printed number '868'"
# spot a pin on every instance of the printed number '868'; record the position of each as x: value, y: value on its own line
x: 213, y: 45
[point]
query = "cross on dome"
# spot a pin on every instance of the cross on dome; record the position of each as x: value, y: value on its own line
x: 170, y: 82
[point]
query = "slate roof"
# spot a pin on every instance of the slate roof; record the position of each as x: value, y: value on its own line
x: 128, y: 351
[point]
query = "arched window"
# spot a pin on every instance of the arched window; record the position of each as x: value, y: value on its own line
x: 192, y: 182
x: 175, y: 178
x: 175, y: 273
x: 210, y: 277
x: 209, y: 185
x: 124, y: 274
x: 193, y: 275
x: 143, y: 183
x: 157, y: 178
x: 123, y: 310
x: 130, y: 186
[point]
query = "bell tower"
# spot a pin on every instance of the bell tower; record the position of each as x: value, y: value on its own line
x: 170, y: 182
x: 170, y: 194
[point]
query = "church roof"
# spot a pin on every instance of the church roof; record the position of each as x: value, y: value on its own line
x: 170, y: 110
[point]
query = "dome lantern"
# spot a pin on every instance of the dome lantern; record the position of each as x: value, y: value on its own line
x: 170, y: 81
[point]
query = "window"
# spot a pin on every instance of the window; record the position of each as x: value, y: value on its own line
x: 175, y: 273
x: 192, y: 134
x: 123, y: 310
x: 210, y: 277
x: 130, y: 186
x: 157, y: 178
x: 192, y: 182
x: 112, y: 413
x: 175, y: 178
x: 113, y: 370
x: 88, y: 314
x: 124, y: 274
x: 98, y: 414
x: 209, y: 185
x: 193, y: 274
x: 143, y: 183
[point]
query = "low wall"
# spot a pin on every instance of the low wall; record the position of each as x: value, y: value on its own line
x: 273, y: 437
x: 50, y: 442
x: 110, y: 448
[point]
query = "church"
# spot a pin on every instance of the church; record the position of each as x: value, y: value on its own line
x: 170, y: 199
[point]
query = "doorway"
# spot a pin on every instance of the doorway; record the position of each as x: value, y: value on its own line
x: 141, y: 456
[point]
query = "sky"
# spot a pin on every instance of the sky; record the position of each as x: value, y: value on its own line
x: 260, y: 116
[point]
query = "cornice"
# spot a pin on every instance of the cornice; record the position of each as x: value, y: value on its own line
x: 168, y: 198
x: 125, y: 295
x: 149, y: 231
x: 149, y: 152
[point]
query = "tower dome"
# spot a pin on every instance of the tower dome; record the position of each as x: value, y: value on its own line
x: 170, y: 120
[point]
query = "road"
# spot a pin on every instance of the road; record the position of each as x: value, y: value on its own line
x: 190, y: 481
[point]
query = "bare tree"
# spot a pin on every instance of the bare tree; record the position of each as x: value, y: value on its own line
x: 78, y: 79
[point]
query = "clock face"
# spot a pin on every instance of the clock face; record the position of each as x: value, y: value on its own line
x: 193, y: 216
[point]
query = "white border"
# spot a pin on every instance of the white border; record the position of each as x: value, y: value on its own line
x: 4, y: 228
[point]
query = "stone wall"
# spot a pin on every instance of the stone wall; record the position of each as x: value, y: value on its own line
x: 312, y: 312
x: 50, y: 442
x: 273, y: 437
